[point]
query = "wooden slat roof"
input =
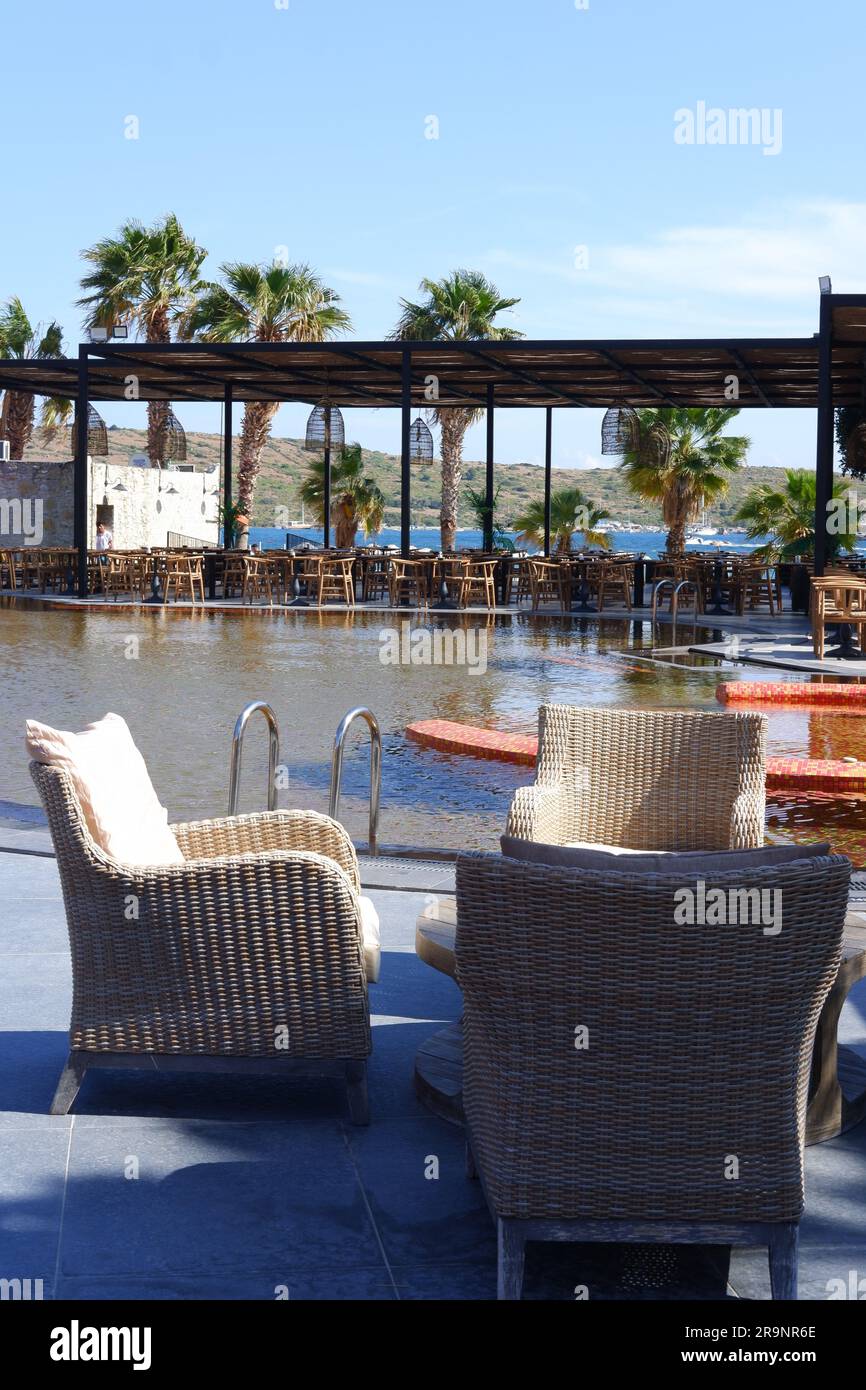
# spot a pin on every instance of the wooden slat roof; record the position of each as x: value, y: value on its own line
x: 781, y: 372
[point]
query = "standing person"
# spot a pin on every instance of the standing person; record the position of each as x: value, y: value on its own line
x: 104, y: 538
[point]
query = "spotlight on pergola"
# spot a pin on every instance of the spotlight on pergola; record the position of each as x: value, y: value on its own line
x: 325, y: 429
x: 825, y: 284
x: 97, y: 435
x: 620, y: 430
x: 420, y: 443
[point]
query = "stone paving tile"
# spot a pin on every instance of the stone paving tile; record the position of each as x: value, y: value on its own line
x: 233, y: 1201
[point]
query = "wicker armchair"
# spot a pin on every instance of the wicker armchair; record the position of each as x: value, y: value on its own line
x: 247, y: 957
x: 678, y: 1116
x: 645, y: 779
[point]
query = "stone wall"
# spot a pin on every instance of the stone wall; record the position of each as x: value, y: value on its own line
x: 36, y: 504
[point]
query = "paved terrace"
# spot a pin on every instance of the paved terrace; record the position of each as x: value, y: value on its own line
x: 244, y: 1185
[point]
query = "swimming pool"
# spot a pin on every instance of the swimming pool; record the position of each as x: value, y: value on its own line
x: 181, y: 678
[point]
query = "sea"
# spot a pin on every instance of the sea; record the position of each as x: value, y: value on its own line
x: 649, y: 543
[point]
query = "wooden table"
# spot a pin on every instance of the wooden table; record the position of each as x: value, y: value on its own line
x: 837, y: 1086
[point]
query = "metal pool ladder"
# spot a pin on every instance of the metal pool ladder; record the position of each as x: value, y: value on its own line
x: 675, y: 598
x: 260, y: 706
x: 237, y: 747
x: 375, y: 770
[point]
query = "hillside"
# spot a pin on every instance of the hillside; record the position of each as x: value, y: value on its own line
x: 285, y: 462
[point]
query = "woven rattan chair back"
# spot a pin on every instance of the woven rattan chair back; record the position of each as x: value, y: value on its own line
x: 624, y: 1063
x: 649, y: 779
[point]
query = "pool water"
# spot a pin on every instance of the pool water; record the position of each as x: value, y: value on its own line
x: 180, y: 679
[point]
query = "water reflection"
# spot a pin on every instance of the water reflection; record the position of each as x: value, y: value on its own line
x: 180, y: 679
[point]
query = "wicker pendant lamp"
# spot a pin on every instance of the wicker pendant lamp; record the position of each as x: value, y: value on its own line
x: 620, y: 430
x: 325, y: 428
x: 97, y: 435
x: 420, y: 443
x: 174, y: 439
x: 655, y: 446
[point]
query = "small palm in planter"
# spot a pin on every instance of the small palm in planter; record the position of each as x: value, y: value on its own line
x: 478, y: 503
x: 233, y: 521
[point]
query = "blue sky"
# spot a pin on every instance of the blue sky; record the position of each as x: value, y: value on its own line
x: 304, y: 127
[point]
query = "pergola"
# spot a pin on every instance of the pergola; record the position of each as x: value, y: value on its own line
x: 818, y: 373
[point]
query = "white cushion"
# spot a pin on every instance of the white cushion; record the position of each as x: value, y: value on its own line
x: 610, y: 849
x: 121, y: 808
x: 370, y: 937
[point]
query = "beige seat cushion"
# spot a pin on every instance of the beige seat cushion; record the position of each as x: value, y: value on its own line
x: 370, y: 936
x: 122, y: 811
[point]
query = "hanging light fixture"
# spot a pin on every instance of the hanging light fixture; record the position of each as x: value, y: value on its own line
x: 325, y: 428
x: 97, y: 435
x: 420, y: 443
x: 620, y: 430
x: 174, y: 439
x: 655, y: 446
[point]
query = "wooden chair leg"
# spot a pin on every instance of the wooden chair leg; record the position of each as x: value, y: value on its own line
x: 511, y: 1251
x: 784, y: 1242
x: 356, y: 1090
x: 69, y: 1084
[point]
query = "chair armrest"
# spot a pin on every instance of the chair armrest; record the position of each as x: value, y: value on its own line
x: 747, y: 818
x: 256, y: 954
x: 540, y: 813
x: 266, y: 831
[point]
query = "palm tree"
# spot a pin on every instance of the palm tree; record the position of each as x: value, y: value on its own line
x: 698, y: 470
x: 356, y: 500
x: 265, y: 304
x: 148, y: 276
x: 462, y: 305
x: 787, y: 514
x: 19, y: 338
x: 571, y: 513
x: 481, y: 513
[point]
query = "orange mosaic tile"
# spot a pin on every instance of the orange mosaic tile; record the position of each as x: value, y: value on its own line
x: 805, y: 774
x: 792, y: 693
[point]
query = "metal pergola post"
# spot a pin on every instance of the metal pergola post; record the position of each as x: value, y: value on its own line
x: 488, y: 477
x: 405, y: 460
x: 548, y: 457
x: 228, y: 400
x: 80, y: 499
x: 326, y: 495
x: 824, y: 451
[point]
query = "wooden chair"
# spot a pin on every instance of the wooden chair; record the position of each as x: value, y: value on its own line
x: 756, y: 588
x: 618, y: 1064
x: 479, y: 583
x: 409, y: 583
x: 374, y: 580
x: 308, y: 572
x: 337, y: 580
x: 548, y: 582
x: 612, y: 580
x: 836, y: 599
x: 184, y: 574
x: 234, y: 574
x: 645, y: 779
x: 124, y: 574
x: 261, y: 579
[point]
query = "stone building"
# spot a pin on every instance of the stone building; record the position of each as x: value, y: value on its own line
x: 141, y: 506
